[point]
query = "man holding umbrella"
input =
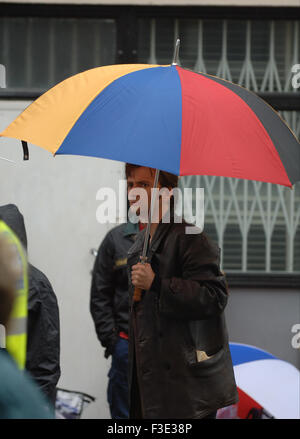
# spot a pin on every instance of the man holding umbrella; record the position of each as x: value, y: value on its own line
x: 179, y: 359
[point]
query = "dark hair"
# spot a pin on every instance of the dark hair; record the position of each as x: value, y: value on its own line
x: 166, y: 179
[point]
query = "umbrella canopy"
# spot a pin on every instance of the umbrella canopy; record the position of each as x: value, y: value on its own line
x: 265, y: 382
x: 164, y: 117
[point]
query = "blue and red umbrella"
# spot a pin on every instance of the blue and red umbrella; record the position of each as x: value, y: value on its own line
x: 267, y: 386
x: 164, y: 117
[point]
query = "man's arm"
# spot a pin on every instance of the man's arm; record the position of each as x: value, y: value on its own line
x: 102, y: 295
x: 201, y: 291
x: 43, y: 334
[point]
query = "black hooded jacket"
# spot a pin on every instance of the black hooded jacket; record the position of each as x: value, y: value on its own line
x: 43, y: 337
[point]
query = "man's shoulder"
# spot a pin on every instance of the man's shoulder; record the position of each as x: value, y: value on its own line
x: 118, y: 239
x: 190, y: 234
x: 122, y: 229
x: 181, y: 227
x: 38, y: 277
x: 112, y: 235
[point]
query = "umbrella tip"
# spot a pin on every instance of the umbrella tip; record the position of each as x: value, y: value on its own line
x: 176, y: 53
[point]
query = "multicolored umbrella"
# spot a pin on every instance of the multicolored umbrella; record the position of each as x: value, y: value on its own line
x: 164, y: 117
x: 267, y: 386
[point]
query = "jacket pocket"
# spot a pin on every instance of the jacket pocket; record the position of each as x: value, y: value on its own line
x: 204, y: 364
x: 201, y: 355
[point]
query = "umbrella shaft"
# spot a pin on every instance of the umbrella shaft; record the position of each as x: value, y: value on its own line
x: 147, y: 233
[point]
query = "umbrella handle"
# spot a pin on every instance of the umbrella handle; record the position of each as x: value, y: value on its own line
x: 137, y: 295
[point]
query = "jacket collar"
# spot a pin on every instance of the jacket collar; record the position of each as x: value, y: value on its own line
x: 131, y: 229
x: 160, y: 232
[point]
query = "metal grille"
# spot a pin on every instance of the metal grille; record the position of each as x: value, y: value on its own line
x: 257, y: 225
x: 256, y: 54
x: 40, y: 52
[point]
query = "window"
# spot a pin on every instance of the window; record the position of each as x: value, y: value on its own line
x: 39, y: 52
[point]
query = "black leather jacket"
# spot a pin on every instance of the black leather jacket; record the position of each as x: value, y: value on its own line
x: 181, y: 313
x: 43, y: 326
x: 109, y: 304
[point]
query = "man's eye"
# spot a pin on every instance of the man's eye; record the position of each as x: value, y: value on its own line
x: 145, y: 184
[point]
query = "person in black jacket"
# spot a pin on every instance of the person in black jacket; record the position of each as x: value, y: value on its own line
x: 109, y: 310
x: 179, y: 361
x: 43, y: 334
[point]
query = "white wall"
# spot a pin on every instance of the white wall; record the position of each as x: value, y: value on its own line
x: 264, y: 317
x: 57, y: 197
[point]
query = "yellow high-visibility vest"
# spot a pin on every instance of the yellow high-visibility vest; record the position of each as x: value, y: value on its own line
x: 16, y: 331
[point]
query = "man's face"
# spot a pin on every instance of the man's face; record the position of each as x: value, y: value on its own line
x: 141, y: 177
